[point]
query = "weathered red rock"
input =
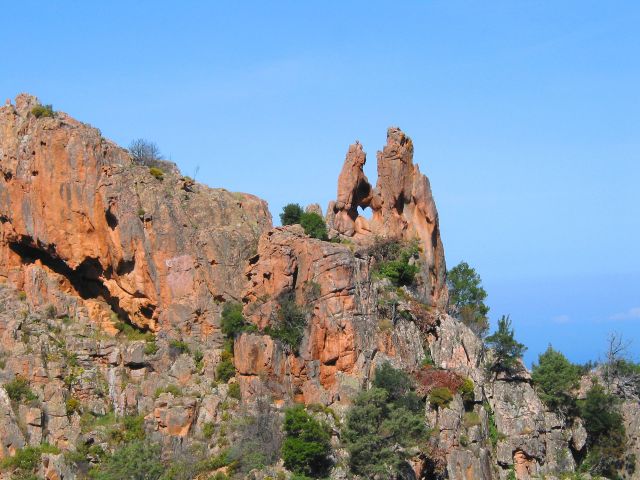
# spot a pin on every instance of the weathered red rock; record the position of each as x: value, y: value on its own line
x: 402, y: 206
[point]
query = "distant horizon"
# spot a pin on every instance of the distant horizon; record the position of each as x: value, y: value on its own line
x: 525, y: 118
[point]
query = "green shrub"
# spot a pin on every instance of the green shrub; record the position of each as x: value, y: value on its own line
x: 440, y: 397
x: 133, y: 333
x: 42, y: 111
x: 290, y: 323
x: 208, y: 429
x: 494, y: 434
x: 291, y: 214
x: 466, y: 390
x: 507, y: 351
x: 156, y: 172
x: 606, y: 436
x: 306, y: 446
x: 314, y: 225
x: 151, y: 348
x: 26, y: 461
x: 394, y: 262
x: 555, y: 379
x: 22, y: 296
x: 136, y: 460
x: 233, y: 321
x: 18, y: 390
x: 225, y: 370
x: 179, y: 346
x: 467, y: 296
x: 234, y: 391
x: 174, y: 390
x: 72, y: 405
x: 375, y: 428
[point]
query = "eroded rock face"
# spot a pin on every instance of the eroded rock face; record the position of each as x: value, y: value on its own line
x: 155, y: 252
x: 343, y: 340
x: 402, y: 206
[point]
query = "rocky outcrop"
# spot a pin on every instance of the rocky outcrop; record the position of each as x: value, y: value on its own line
x: 402, y: 206
x: 156, y: 252
x: 345, y: 336
x: 113, y: 283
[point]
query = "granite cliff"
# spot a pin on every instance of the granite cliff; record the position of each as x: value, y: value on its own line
x: 114, y: 280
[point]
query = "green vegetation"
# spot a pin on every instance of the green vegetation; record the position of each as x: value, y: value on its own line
x: 290, y: 323
x: 225, y: 370
x: 291, y: 214
x: 394, y: 261
x: 494, y: 434
x: 606, y: 440
x: 234, y: 391
x: 157, y: 173
x: 136, y: 460
x: 233, y: 321
x: 174, y: 390
x: 556, y: 379
x: 133, y: 333
x: 306, y: 446
x: 18, y: 390
x: 40, y: 111
x: 381, y: 419
x: 314, y: 225
x: 466, y: 390
x: 72, y: 406
x: 24, y: 464
x: 151, y: 348
x: 179, y: 346
x: 440, y: 397
x: 506, y: 350
x: 471, y: 419
x: 467, y: 296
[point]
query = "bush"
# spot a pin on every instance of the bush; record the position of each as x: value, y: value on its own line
x: 42, y: 111
x: 440, y: 397
x: 375, y: 428
x: 466, y: 390
x: 26, y: 460
x: 144, y: 152
x: 606, y: 436
x: 398, y: 386
x: 291, y: 214
x: 135, y: 460
x: 18, y: 390
x: 507, y: 351
x: 174, y: 390
x: 72, y: 405
x: 234, y: 391
x: 151, y: 348
x: 156, y: 172
x: 306, y: 446
x: 290, y: 323
x: 555, y: 379
x: 233, y: 322
x: 179, y: 346
x: 467, y: 296
x: 395, y: 264
x: 225, y: 370
x: 314, y: 225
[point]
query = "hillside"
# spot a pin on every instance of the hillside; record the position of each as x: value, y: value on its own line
x: 146, y: 318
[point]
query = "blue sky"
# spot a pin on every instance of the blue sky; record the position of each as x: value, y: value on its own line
x: 524, y: 114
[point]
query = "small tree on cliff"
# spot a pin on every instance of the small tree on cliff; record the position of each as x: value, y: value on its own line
x: 507, y: 351
x: 467, y: 296
x: 144, y: 152
x: 291, y: 214
x: 556, y: 378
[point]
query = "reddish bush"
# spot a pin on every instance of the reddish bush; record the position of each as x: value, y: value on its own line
x: 428, y: 378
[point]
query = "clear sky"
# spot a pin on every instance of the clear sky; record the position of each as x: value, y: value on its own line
x: 524, y: 114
